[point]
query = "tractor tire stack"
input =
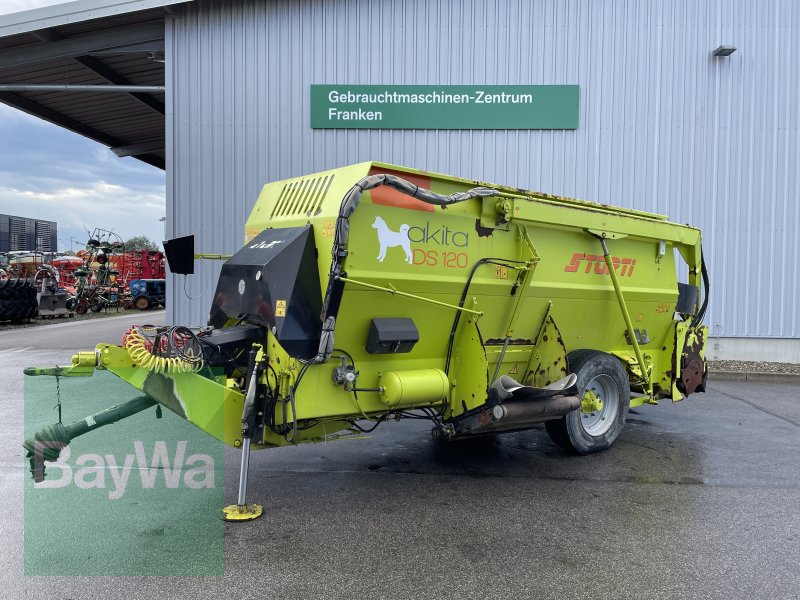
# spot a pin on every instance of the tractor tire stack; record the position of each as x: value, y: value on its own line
x: 18, y: 300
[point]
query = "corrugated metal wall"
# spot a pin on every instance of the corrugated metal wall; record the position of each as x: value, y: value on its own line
x: 664, y: 126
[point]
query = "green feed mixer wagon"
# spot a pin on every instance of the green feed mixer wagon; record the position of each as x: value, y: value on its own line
x: 375, y: 292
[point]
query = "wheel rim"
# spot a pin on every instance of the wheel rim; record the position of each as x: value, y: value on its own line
x: 600, y: 405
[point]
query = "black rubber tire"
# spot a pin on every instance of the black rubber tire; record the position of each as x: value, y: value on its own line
x: 18, y: 299
x: 142, y: 302
x: 96, y: 307
x: 81, y: 308
x: 11, y: 289
x: 568, y: 431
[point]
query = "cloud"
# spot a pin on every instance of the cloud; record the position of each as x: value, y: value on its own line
x: 129, y: 212
x: 50, y: 173
x: 79, y: 209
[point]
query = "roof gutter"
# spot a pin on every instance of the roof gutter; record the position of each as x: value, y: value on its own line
x: 74, y: 12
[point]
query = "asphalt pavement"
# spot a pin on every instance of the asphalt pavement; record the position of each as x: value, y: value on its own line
x: 699, y: 499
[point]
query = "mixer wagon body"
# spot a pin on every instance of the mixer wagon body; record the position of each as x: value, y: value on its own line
x: 375, y: 291
x: 570, y: 281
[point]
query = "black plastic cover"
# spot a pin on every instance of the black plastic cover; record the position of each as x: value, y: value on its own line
x: 274, y: 281
x: 221, y: 347
x: 180, y: 254
x: 687, y: 299
x: 392, y: 336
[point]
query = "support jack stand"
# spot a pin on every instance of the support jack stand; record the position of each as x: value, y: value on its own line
x: 241, y: 511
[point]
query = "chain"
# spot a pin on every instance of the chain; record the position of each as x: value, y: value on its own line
x: 58, y: 393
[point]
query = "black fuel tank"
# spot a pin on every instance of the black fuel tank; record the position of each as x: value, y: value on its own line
x: 274, y: 281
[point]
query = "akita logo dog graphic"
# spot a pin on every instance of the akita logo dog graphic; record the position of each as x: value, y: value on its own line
x: 389, y: 239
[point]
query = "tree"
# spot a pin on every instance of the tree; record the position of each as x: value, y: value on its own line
x: 141, y: 242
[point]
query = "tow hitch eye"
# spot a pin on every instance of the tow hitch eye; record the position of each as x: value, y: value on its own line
x: 591, y: 402
x: 89, y: 358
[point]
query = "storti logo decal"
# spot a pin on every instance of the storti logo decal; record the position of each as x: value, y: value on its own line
x: 597, y: 263
x: 389, y: 239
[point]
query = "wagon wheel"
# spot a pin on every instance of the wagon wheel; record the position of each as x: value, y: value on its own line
x: 142, y: 303
x: 605, y: 394
x: 81, y: 307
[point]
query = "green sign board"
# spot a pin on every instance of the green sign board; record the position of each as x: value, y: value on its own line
x: 444, y: 106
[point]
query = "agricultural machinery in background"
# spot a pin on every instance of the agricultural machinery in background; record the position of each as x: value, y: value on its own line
x: 103, y: 275
x: 24, y: 278
x: 51, y: 297
x: 148, y: 293
x: 32, y: 288
x: 17, y: 299
x: 24, y: 264
x: 97, y: 286
x: 108, y: 270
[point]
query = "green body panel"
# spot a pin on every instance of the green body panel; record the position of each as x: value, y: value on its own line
x: 469, y: 369
x: 208, y: 404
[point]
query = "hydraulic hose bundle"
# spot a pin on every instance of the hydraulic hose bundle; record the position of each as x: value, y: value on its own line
x: 350, y: 202
x: 164, y: 350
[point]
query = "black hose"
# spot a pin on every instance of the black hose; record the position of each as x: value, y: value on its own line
x: 335, y: 289
x: 275, y: 376
x: 464, y: 292
x: 378, y: 421
x: 706, y: 289
x: 353, y: 197
x: 292, y: 392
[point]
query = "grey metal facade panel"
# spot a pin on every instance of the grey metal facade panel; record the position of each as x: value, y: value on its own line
x: 664, y: 126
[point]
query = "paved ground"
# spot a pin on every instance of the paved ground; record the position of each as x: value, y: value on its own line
x: 696, y: 500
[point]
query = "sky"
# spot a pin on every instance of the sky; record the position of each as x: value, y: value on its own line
x: 9, y: 6
x: 47, y: 172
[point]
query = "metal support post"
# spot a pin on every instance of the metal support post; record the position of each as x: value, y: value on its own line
x: 627, y: 317
x: 524, y: 284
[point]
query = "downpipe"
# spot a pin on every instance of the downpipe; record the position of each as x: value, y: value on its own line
x: 515, y: 415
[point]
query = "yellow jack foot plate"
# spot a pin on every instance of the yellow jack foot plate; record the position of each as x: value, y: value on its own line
x: 248, y: 512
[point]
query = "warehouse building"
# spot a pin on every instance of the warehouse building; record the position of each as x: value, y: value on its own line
x: 687, y: 109
x: 19, y: 234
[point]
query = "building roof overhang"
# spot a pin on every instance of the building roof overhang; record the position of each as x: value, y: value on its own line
x: 72, y: 47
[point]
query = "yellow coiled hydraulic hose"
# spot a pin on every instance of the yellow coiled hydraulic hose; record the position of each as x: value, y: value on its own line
x: 145, y: 354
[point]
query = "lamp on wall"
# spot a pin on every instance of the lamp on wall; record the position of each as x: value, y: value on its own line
x: 724, y: 50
